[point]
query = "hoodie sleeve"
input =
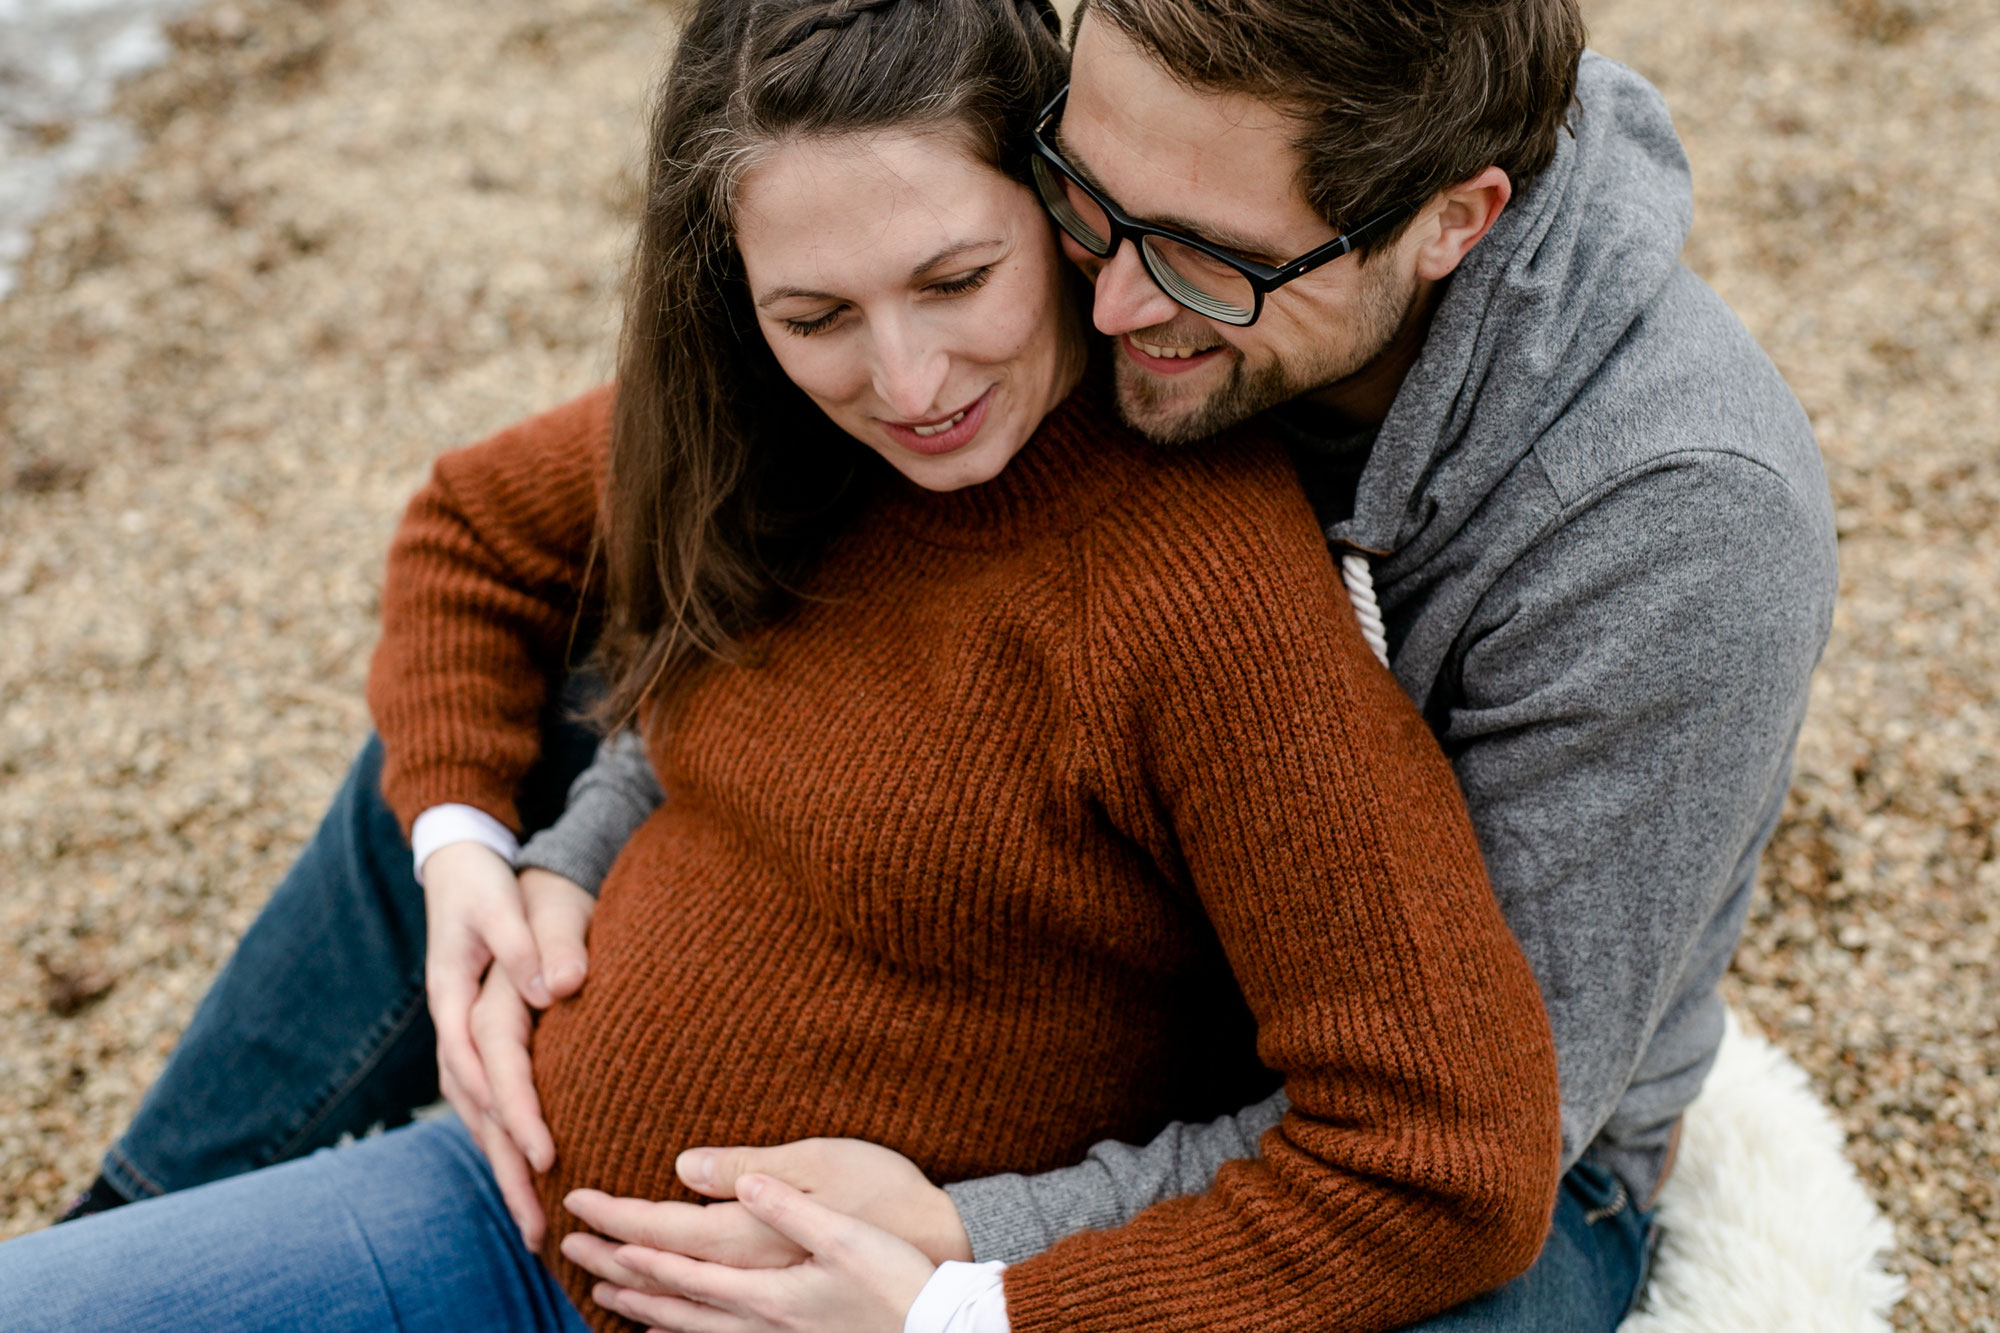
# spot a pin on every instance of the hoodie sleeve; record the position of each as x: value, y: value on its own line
x: 607, y: 803
x: 1629, y: 695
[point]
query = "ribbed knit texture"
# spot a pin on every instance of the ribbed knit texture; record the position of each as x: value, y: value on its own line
x: 1061, y: 804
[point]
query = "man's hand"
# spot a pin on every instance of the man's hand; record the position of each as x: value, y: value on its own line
x: 881, y: 1191
x: 877, y: 1185
x: 478, y: 912
x: 854, y: 1278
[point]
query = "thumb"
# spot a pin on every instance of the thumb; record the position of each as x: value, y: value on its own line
x: 716, y: 1172
x: 559, y: 914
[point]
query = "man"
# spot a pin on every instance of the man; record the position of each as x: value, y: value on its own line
x: 1598, y: 526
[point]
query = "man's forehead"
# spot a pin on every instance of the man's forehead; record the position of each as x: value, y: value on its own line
x: 1162, y: 149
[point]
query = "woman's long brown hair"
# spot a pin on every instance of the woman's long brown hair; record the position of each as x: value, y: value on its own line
x: 725, y: 482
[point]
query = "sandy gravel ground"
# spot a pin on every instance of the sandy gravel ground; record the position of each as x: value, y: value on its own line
x: 362, y: 232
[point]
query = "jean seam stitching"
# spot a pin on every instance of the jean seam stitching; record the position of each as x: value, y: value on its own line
x: 377, y: 1048
x: 127, y: 1167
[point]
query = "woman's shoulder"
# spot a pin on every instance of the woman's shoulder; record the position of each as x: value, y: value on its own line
x: 1237, y: 488
x: 1221, y: 514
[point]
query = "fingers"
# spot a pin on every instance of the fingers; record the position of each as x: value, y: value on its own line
x: 717, y: 1286
x: 794, y: 1215
x: 715, y: 1171
x: 501, y: 1028
x: 469, y: 1111
x: 559, y: 912
x: 669, y: 1314
x: 506, y: 933
x: 451, y: 992
x: 599, y: 1257
x: 723, y: 1233
x: 511, y: 1173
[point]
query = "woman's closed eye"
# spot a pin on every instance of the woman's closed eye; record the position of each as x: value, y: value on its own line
x: 969, y: 281
x: 959, y: 284
x: 806, y: 328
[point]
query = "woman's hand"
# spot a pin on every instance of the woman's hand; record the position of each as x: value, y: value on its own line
x: 478, y: 912
x: 511, y: 1132
x: 854, y: 1277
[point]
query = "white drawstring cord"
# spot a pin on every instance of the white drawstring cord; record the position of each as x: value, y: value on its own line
x: 1360, y: 581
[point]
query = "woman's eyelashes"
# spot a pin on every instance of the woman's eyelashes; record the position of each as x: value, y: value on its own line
x: 970, y: 281
x: 806, y: 328
x: 957, y: 285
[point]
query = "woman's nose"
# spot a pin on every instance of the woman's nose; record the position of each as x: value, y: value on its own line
x: 910, y: 372
x: 1127, y: 297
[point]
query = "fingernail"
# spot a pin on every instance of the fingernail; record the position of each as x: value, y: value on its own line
x: 538, y: 991
x: 749, y: 1188
x: 695, y: 1166
x: 569, y: 974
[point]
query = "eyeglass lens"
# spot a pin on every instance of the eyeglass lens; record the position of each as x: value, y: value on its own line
x: 1201, y: 282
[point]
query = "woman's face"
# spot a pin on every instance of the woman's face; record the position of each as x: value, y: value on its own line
x: 914, y: 293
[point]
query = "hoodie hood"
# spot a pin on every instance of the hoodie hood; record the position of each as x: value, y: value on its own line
x: 1529, y: 316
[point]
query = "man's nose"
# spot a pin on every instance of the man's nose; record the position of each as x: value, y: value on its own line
x: 909, y: 373
x: 1127, y: 297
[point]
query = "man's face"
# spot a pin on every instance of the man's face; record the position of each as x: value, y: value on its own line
x: 1220, y: 166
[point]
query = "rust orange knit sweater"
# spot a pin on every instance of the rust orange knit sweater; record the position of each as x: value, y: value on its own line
x: 1069, y: 804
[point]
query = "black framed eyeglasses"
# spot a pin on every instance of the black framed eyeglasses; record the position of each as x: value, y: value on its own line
x: 1195, y: 273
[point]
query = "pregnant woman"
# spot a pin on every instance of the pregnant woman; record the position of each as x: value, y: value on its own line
x: 1027, y: 785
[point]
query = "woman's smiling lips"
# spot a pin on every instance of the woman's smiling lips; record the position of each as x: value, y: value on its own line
x: 1167, y: 360
x: 941, y: 435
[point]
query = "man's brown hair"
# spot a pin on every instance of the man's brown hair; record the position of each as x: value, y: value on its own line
x: 1395, y: 99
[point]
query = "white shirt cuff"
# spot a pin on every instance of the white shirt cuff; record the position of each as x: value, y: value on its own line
x: 442, y: 825
x: 960, y: 1298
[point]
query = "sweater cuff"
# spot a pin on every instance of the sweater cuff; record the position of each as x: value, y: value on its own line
x: 1001, y: 1219
x: 442, y: 825
x: 580, y: 861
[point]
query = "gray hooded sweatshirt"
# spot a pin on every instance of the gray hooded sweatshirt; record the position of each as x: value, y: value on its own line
x: 1604, y: 549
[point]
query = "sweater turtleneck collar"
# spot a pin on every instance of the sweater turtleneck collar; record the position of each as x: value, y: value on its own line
x: 1077, y: 461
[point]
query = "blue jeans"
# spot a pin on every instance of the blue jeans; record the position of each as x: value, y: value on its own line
x: 402, y: 1232
x: 1590, y: 1272
x: 407, y: 1232
x: 317, y: 1028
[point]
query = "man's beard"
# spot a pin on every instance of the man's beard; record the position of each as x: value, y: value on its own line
x: 1149, y: 405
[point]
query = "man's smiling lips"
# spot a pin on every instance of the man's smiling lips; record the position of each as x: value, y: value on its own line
x: 1163, y: 359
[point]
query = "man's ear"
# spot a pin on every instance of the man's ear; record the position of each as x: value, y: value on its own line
x: 1455, y: 220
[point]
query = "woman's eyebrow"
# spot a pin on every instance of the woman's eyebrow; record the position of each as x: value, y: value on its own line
x: 938, y: 260
x: 953, y: 251
x: 777, y: 294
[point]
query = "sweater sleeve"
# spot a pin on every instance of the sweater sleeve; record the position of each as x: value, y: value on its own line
x: 1287, y: 781
x: 487, y: 594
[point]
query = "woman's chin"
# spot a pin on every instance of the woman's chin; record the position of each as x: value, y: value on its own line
x: 977, y: 463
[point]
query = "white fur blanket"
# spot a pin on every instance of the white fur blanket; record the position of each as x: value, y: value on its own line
x: 1765, y: 1227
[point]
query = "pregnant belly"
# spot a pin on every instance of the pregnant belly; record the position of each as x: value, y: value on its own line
x: 733, y: 1011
